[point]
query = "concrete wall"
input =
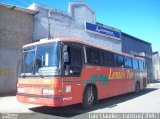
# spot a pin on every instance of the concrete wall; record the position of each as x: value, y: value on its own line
x: 70, y: 24
x: 134, y: 46
x: 156, y: 66
x: 16, y: 29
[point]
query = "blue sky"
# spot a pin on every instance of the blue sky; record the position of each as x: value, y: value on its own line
x: 139, y: 18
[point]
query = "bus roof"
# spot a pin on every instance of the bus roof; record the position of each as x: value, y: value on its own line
x: 46, y: 41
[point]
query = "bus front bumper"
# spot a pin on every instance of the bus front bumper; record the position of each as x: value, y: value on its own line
x: 45, y: 100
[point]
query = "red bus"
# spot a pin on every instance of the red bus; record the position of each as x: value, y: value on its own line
x: 61, y: 72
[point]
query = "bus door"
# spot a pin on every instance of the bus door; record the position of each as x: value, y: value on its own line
x: 72, y: 68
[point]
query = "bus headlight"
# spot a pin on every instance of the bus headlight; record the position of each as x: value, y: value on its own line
x: 48, y: 91
x: 20, y: 90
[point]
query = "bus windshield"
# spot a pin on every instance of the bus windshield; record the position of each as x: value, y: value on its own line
x: 41, y: 60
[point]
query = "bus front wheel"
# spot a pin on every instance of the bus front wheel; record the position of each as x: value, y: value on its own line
x: 88, y: 98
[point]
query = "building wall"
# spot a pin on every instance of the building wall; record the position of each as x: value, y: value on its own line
x: 156, y: 66
x: 16, y: 29
x: 70, y: 24
x: 134, y: 46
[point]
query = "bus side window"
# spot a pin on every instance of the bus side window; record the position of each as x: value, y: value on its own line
x: 93, y: 56
x: 119, y: 60
x: 144, y: 66
x: 107, y: 59
x: 128, y: 62
x: 96, y: 55
x: 135, y: 64
x: 74, y: 64
x: 89, y: 54
x: 75, y: 56
x: 141, y: 65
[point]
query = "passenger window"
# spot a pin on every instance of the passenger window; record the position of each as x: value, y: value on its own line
x: 89, y: 54
x: 128, y: 62
x: 119, y: 60
x: 135, y: 64
x: 74, y: 64
x: 107, y: 59
x: 96, y: 55
x: 75, y: 56
x: 141, y: 65
x: 93, y: 56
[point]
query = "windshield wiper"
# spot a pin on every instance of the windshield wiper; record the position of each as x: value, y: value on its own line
x: 37, y: 71
x: 40, y: 74
x: 24, y: 75
x: 32, y: 69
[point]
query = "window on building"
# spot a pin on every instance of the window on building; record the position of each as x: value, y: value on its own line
x: 107, y: 58
x: 119, y: 60
x: 128, y: 62
x: 135, y: 64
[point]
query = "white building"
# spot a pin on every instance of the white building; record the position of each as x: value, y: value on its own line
x: 156, y: 65
x: 80, y: 22
x: 19, y: 26
x: 55, y: 23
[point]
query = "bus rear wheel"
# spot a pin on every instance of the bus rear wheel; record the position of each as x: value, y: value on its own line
x: 88, y: 98
x: 137, y: 88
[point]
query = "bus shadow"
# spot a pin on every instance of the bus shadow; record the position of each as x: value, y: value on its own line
x: 75, y: 110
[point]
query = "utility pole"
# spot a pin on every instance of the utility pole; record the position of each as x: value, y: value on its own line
x: 49, y: 24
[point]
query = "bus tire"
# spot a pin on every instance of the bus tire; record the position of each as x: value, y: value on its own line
x: 88, y: 97
x: 137, y: 87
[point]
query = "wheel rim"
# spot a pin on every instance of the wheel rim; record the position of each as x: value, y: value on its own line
x: 90, y: 97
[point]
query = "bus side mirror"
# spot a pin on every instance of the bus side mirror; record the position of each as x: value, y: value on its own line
x: 65, y: 54
x: 65, y: 57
